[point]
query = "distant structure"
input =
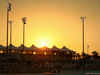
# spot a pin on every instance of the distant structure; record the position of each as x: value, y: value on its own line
x: 33, y: 49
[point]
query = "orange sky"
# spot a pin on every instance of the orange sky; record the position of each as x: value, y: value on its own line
x: 52, y: 22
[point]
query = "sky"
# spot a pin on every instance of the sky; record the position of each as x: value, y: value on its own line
x: 52, y: 22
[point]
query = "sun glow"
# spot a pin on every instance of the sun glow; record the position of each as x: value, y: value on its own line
x: 43, y: 42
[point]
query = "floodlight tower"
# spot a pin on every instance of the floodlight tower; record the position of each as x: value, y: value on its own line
x: 83, y: 18
x: 24, y: 22
x: 8, y: 9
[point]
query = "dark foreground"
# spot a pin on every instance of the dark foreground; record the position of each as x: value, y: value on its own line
x: 27, y: 64
x: 63, y: 72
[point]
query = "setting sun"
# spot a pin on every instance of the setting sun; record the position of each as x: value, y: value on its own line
x: 43, y: 42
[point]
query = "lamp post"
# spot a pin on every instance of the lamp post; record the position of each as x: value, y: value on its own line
x: 24, y: 22
x: 8, y: 9
x: 10, y: 36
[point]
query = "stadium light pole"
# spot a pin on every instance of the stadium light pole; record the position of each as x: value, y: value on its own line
x: 24, y: 22
x: 8, y: 9
x: 10, y: 35
x: 83, y: 18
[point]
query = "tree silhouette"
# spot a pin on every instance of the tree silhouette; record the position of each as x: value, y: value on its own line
x: 95, y: 54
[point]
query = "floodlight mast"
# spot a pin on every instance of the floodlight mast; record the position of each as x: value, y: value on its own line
x: 24, y: 22
x: 8, y: 9
x: 83, y: 18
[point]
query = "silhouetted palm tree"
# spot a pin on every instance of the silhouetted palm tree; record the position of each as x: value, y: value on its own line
x: 95, y: 54
x: 85, y: 55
